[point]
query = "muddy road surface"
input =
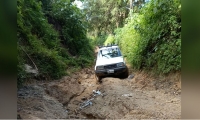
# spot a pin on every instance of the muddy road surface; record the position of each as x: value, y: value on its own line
x: 140, y: 96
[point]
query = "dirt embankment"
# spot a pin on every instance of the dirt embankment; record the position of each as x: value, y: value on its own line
x: 79, y: 96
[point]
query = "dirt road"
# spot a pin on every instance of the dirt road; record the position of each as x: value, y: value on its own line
x: 79, y: 96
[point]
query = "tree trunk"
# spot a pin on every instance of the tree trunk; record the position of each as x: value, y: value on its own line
x: 131, y: 4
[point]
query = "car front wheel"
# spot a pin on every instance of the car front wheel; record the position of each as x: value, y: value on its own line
x: 98, y: 78
x: 125, y: 74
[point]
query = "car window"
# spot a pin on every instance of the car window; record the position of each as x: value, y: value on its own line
x: 109, y: 53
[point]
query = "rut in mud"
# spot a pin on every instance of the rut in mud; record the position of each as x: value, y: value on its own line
x: 76, y: 97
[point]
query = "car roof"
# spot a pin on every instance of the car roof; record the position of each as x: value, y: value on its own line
x: 106, y: 47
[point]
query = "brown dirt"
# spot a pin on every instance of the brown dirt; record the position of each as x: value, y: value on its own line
x: 142, y: 97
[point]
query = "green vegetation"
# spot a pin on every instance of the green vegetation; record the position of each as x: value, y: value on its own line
x: 110, y: 40
x: 105, y: 15
x: 152, y: 39
x: 151, y: 36
x: 55, y: 36
x: 51, y: 38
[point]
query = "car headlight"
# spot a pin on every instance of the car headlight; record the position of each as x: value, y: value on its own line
x: 100, y: 67
x: 120, y: 64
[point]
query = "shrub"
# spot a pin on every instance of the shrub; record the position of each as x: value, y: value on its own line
x: 152, y: 38
x: 41, y: 40
x: 109, y: 40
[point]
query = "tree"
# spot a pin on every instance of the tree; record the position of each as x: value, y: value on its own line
x: 49, y: 33
x: 105, y: 15
x: 152, y: 38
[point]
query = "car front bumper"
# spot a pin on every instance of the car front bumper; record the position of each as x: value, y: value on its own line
x: 117, y: 71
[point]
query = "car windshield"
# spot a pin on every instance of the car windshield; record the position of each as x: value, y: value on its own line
x: 109, y: 53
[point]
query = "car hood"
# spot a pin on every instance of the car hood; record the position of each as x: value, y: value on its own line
x: 109, y: 61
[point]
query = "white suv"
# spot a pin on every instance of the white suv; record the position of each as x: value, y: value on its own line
x: 110, y: 62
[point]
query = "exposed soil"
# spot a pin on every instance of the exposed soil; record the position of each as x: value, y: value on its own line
x: 141, y: 96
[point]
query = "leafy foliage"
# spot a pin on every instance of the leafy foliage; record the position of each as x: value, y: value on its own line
x: 100, y: 39
x: 152, y: 39
x: 110, y: 40
x: 127, y: 38
x: 51, y: 37
x: 105, y: 15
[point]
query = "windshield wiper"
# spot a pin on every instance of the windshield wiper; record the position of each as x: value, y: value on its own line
x: 105, y: 56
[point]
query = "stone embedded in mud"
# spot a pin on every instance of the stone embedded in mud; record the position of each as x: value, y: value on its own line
x: 130, y: 76
x: 30, y: 69
x: 127, y: 95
